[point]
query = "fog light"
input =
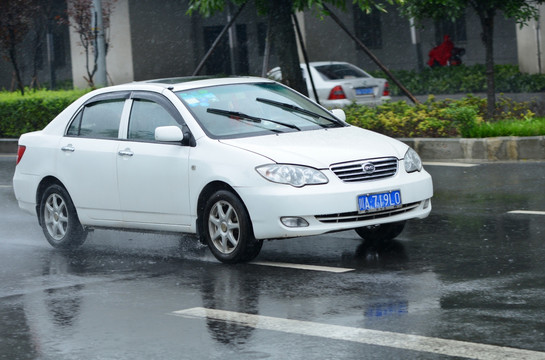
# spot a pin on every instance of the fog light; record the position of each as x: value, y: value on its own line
x: 294, y: 222
x: 426, y: 203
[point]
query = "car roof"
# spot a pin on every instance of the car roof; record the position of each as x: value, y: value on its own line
x: 176, y: 84
x: 192, y: 82
x: 320, y: 63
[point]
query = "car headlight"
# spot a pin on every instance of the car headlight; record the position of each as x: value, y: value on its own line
x: 412, y: 161
x: 293, y: 175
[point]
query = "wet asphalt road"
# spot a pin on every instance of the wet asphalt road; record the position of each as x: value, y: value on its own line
x: 470, y: 274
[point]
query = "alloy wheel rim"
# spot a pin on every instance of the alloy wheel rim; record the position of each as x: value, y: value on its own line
x: 224, y: 227
x: 56, y: 216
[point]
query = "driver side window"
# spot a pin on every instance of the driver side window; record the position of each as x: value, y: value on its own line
x: 145, y: 117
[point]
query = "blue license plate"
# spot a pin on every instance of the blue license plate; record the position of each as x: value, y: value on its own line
x: 364, y: 91
x: 379, y: 201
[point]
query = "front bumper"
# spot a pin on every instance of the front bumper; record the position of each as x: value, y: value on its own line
x: 333, y: 206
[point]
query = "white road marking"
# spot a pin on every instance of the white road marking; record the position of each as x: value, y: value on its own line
x: 365, y: 336
x: 453, y: 164
x: 527, y: 212
x: 5, y: 186
x: 302, y: 266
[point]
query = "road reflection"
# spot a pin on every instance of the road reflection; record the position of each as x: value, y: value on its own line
x: 233, y: 289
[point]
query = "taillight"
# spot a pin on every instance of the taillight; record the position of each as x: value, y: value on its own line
x: 336, y: 93
x: 386, y: 91
x: 20, y: 151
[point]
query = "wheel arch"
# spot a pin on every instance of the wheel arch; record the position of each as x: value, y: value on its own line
x: 206, y: 192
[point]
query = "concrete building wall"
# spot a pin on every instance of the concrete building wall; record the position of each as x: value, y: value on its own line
x: 154, y: 39
x: 531, y: 44
x: 326, y: 41
x: 163, y: 39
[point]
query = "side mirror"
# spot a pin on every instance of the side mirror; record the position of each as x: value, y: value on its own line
x: 169, y: 134
x: 339, y: 113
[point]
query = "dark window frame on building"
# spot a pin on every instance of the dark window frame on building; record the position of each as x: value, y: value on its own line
x: 455, y: 29
x: 368, y: 28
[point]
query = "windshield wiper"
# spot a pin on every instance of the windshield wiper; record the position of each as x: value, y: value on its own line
x: 236, y: 115
x: 294, y: 108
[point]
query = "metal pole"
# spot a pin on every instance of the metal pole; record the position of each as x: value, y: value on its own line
x: 100, y: 78
x: 303, y: 49
x: 51, y: 58
x: 232, y: 43
x: 372, y: 56
x: 267, y: 50
x: 415, y: 37
x: 216, y: 42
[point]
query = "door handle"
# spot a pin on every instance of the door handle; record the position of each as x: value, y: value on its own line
x: 126, y: 152
x: 68, y: 148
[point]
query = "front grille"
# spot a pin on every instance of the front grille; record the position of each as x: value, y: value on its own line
x: 355, y: 216
x: 354, y: 171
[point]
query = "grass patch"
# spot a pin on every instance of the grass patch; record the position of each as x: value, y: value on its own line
x: 525, y: 127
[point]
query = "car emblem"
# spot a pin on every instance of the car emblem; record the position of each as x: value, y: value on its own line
x: 368, y: 168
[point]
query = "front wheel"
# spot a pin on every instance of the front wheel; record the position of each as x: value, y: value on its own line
x: 228, y: 229
x: 378, y: 234
x: 59, y: 219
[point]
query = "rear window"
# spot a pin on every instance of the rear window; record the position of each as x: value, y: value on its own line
x: 340, y: 72
x: 98, y: 120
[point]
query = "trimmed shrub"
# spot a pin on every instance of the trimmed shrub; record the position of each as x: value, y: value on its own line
x: 33, y: 111
x: 464, y: 79
x: 445, y: 118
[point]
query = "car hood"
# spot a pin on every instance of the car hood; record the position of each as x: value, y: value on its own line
x: 321, y: 148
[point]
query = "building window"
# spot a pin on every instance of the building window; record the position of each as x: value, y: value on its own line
x: 455, y: 29
x: 368, y: 28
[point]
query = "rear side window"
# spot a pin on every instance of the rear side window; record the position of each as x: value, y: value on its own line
x: 98, y: 120
x: 340, y: 72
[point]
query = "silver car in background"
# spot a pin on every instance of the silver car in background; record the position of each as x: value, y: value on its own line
x: 340, y: 84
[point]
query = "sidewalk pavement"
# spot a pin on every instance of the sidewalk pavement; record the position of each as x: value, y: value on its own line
x: 486, y: 149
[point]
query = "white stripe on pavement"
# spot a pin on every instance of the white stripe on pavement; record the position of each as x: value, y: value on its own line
x: 366, y: 336
x: 526, y: 212
x: 302, y: 266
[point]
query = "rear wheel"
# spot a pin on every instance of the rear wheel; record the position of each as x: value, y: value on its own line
x: 378, y: 234
x: 59, y: 219
x: 228, y: 229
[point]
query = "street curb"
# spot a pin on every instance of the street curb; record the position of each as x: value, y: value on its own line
x: 486, y: 149
x: 8, y: 146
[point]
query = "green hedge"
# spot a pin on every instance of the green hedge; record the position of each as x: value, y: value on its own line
x: 445, y: 118
x: 464, y: 79
x: 33, y: 111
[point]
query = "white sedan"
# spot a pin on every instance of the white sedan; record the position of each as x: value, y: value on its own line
x: 236, y: 161
x: 340, y: 84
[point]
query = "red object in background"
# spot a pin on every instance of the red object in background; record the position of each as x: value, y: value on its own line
x: 440, y: 55
x: 386, y: 91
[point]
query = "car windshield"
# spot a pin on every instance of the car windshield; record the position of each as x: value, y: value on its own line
x: 240, y: 110
x: 340, y: 72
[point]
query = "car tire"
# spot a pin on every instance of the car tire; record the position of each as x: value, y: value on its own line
x: 377, y: 234
x: 59, y: 219
x: 228, y: 230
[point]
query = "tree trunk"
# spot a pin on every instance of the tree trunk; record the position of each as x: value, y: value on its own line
x: 13, y: 58
x: 487, y: 23
x: 285, y: 45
